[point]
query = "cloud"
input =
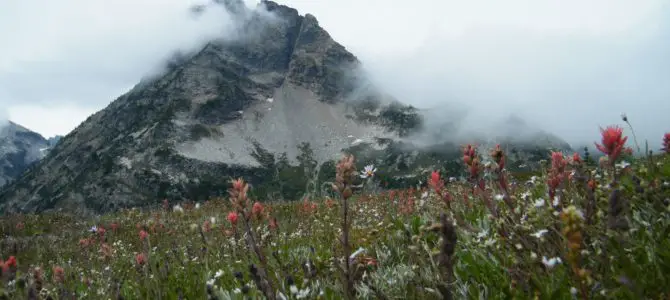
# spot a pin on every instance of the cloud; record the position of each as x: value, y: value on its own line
x: 564, y: 66
x: 4, y: 117
x: 86, y: 53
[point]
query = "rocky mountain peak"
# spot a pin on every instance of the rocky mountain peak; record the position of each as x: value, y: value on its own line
x: 276, y: 105
x: 237, y: 107
x: 19, y: 149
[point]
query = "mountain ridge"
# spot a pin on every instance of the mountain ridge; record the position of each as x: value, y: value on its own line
x: 20, y: 148
x: 275, y: 106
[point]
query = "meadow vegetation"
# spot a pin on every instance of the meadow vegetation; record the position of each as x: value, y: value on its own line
x: 572, y: 230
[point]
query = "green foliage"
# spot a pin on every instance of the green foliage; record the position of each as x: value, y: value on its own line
x: 495, y: 258
x: 400, y: 118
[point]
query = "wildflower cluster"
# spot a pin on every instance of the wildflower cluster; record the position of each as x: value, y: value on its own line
x: 443, y: 239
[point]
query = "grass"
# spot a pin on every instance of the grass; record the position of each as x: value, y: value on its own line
x: 604, y: 235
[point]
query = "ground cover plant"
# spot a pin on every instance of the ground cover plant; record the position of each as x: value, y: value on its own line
x: 576, y: 229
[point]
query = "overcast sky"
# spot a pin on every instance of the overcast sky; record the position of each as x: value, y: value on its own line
x: 566, y: 66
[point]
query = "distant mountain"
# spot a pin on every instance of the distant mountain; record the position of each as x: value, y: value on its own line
x: 275, y: 107
x: 19, y: 149
x: 52, y: 141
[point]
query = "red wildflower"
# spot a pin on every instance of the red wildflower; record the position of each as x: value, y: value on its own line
x: 330, y: 202
x: 140, y: 259
x: 613, y: 142
x: 232, y: 218
x: 11, y: 262
x: 576, y: 158
x: 558, y: 162
x: 556, y: 173
x: 257, y: 209
x: 471, y: 161
x: 59, y: 274
x: 207, y: 226
x: 105, y: 250
x: 143, y: 235
x: 84, y: 242
x: 115, y: 227
x: 499, y: 157
x: 101, y: 231
x: 20, y: 226
x: 238, y: 184
x: 592, y: 184
x: 435, y: 182
x: 666, y: 143
x: 5, y: 266
x: 273, y: 223
x: 628, y: 151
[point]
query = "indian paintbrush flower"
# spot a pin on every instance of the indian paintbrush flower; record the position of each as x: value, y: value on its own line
x: 613, y: 142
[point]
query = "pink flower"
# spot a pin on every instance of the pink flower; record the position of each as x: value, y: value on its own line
x: 613, y: 142
x: 435, y: 182
x: 232, y: 218
x: 257, y: 209
x: 666, y: 143
x: 273, y: 223
x: 207, y: 226
x: 140, y: 259
x: 143, y: 235
x: 576, y: 159
x: 59, y: 274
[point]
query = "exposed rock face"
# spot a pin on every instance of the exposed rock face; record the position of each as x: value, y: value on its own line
x: 284, y: 94
x: 19, y: 149
x: 198, y: 125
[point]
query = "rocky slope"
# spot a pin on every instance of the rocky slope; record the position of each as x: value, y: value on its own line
x: 275, y: 106
x: 19, y: 149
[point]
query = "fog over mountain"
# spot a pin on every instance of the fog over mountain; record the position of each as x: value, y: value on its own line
x: 566, y: 67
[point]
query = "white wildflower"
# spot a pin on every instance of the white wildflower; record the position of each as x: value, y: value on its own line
x: 302, y: 293
x: 369, y: 171
x: 539, y: 202
x: 356, y: 253
x: 533, y: 255
x: 540, y: 233
x: 499, y: 197
x: 197, y: 205
x: 556, y: 201
x: 552, y: 262
x: 573, y: 290
x: 178, y: 208
x: 218, y: 274
x: 271, y: 100
x: 212, y: 220
x: 622, y: 165
x: 294, y: 289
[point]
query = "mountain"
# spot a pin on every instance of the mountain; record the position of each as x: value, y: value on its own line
x: 276, y: 105
x: 19, y: 149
